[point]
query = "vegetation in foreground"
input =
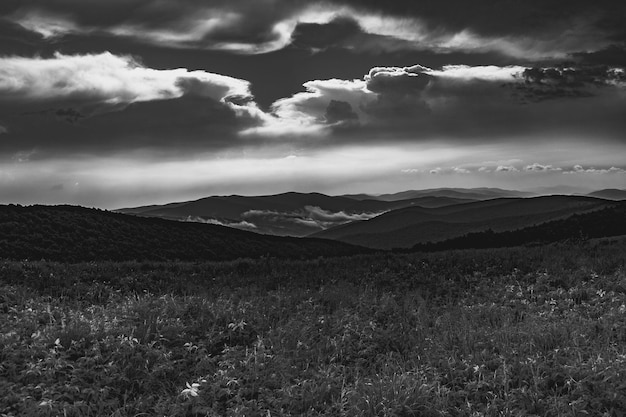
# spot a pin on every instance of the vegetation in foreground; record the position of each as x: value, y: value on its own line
x: 518, y: 331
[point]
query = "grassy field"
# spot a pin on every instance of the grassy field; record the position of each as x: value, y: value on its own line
x: 506, y: 332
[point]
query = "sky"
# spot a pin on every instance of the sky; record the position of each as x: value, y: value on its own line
x: 118, y: 103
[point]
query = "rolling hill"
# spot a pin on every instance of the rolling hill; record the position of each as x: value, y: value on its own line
x: 77, y: 234
x: 406, y: 227
x: 482, y: 193
x: 287, y: 214
x: 609, y: 194
x: 606, y: 222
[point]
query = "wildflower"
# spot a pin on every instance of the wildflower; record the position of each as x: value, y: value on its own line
x: 190, y: 347
x: 237, y: 326
x: 191, y: 390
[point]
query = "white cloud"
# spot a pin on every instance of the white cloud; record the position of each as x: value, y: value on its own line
x: 244, y: 225
x: 579, y: 169
x: 47, y: 25
x: 304, y: 112
x: 506, y: 168
x: 536, y: 167
x: 105, y: 82
x: 311, y: 216
x: 438, y: 170
x: 486, y: 73
x: 397, y: 97
x: 327, y: 216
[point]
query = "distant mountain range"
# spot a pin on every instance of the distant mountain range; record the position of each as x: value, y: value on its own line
x: 288, y: 214
x: 300, y: 214
x: 371, y: 220
x: 458, y: 193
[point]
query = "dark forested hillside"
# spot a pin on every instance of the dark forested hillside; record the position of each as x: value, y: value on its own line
x: 409, y: 226
x: 73, y: 234
x: 610, y: 221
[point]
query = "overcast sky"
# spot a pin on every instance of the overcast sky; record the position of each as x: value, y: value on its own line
x: 112, y: 103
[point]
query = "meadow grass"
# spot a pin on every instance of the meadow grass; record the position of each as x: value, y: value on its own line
x: 507, y: 332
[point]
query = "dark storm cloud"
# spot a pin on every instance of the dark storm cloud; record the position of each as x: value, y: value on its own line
x: 566, y: 81
x: 13, y: 32
x: 503, y: 17
x: 574, y: 77
x: 344, y: 32
x: 236, y: 25
x: 177, y: 126
x: 340, y: 112
x: 321, y: 36
x: 527, y: 30
x: 614, y: 55
x: 399, y: 92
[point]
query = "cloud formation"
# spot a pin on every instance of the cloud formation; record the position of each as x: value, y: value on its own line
x: 459, y: 102
x: 310, y: 216
x: 438, y: 170
x: 532, y: 26
x: 579, y: 169
x: 528, y: 30
x: 341, y: 103
x: 105, y: 100
x: 105, y: 82
x: 243, y: 225
x: 541, y: 168
x: 570, y: 82
x: 307, y: 113
x: 506, y: 168
x: 234, y: 25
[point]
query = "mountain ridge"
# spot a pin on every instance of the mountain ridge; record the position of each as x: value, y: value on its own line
x: 412, y: 225
x: 77, y: 234
x: 292, y: 214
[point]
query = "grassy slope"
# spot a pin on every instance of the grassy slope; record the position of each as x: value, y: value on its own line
x: 520, y: 331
